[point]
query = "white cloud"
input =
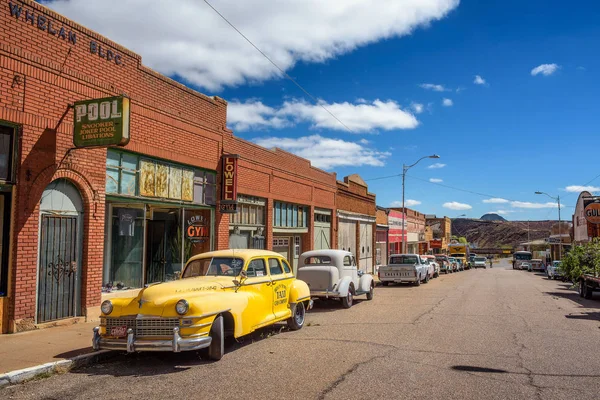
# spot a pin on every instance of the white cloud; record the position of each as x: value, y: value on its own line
x: 364, y: 141
x: 479, y: 80
x: 447, y: 102
x: 436, y: 166
x: 577, y: 189
x: 501, y: 212
x: 435, y: 180
x: 190, y: 40
x: 454, y: 205
x: 407, y: 203
x: 327, y: 153
x: 545, y: 69
x: 434, y: 87
x: 527, y: 204
x: 417, y: 107
x: 361, y: 117
x: 495, y: 200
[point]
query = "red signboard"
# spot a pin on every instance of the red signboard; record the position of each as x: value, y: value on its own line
x: 229, y: 184
x: 435, y: 244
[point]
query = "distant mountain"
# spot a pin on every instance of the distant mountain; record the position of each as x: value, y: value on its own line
x: 492, y: 217
x: 499, y: 233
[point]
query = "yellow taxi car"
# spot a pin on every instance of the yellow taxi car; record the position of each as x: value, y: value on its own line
x: 220, y: 293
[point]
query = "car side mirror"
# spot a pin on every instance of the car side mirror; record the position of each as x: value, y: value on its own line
x: 243, y: 277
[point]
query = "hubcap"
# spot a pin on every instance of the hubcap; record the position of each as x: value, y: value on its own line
x: 349, y: 297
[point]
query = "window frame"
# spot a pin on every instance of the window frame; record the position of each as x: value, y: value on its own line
x: 278, y: 264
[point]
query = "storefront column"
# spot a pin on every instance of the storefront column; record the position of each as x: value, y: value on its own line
x: 269, y: 225
x: 222, y: 230
x: 309, y: 238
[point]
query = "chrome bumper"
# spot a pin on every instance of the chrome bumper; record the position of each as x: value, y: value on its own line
x: 324, y: 293
x: 400, y: 280
x: 131, y: 344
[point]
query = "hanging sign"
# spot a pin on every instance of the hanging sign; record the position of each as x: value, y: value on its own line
x: 592, y: 213
x: 101, y: 122
x: 229, y: 184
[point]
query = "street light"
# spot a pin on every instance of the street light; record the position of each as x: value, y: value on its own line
x: 557, y: 198
x: 404, y: 169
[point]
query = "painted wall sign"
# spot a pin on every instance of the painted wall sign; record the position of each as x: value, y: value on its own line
x: 101, y: 122
x: 229, y: 184
x: 592, y: 213
x: 197, y: 228
x: 54, y: 28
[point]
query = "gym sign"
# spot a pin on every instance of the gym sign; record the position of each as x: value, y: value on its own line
x: 101, y: 122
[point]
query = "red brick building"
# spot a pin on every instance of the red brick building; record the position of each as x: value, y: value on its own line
x: 79, y: 221
x: 356, y: 220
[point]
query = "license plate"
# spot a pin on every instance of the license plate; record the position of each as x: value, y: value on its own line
x: 118, y: 331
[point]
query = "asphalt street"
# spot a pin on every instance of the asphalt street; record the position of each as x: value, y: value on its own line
x: 479, y: 334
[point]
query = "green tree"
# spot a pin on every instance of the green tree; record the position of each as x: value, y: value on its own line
x: 462, y: 240
x: 582, y: 260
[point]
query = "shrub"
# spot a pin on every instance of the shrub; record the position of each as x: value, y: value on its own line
x: 582, y: 260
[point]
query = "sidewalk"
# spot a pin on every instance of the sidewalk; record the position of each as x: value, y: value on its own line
x: 28, y: 354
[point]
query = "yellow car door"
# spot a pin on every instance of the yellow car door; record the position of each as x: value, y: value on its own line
x: 258, y: 285
x: 282, y: 277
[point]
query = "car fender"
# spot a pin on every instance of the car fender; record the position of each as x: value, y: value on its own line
x: 343, y: 285
x: 299, y: 292
x: 365, y: 282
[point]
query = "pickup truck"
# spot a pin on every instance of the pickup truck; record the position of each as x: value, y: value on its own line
x: 587, y: 284
x: 404, y: 268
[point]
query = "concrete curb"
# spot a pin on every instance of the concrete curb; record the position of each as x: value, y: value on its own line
x: 56, y: 367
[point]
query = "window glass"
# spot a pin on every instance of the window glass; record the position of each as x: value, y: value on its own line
x: 257, y: 268
x: 286, y: 266
x: 347, y: 261
x: 217, y: 266
x: 274, y: 267
x: 317, y: 260
x: 112, y: 180
x: 404, y: 259
x: 210, y: 194
x: 295, y: 216
x: 127, y: 248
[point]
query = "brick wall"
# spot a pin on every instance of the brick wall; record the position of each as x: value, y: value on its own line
x: 43, y: 70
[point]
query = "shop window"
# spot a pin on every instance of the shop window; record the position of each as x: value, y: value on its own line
x: 127, y: 245
x: 289, y: 215
x: 121, y: 173
x: 7, y: 135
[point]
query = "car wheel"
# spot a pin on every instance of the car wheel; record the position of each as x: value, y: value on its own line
x: 296, y: 321
x: 347, y: 301
x: 587, y: 291
x: 371, y: 292
x: 418, y: 282
x: 217, y: 345
x: 581, y: 289
x: 426, y: 278
x: 385, y: 283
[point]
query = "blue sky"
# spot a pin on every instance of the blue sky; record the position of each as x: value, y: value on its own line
x: 516, y: 133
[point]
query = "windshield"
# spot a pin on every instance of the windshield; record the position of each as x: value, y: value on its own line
x: 218, y: 266
x: 523, y: 257
x: 458, y: 255
x: 480, y: 259
x: 404, y: 260
x: 425, y: 260
x: 452, y: 259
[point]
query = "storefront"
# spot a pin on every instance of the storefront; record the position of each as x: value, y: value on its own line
x: 322, y: 229
x: 247, y: 226
x: 290, y: 230
x: 397, y: 231
x: 158, y: 215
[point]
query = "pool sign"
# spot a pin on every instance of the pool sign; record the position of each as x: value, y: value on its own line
x: 101, y: 122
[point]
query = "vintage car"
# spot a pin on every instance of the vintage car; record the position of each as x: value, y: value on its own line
x: 334, y: 274
x: 553, y: 270
x: 220, y: 293
x: 479, y: 262
x: 434, y: 267
x: 404, y: 268
x: 444, y: 263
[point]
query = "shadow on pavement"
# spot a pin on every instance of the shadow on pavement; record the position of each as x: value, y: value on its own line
x: 330, y: 305
x: 74, y: 353
x: 574, y: 297
x: 165, y: 363
x: 592, y: 316
x: 472, y: 368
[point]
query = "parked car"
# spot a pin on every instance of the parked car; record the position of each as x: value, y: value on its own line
x: 472, y: 260
x: 526, y: 266
x: 404, y: 268
x: 537, y: 265
x: 479, y: 262
x: 588, y: 283
x: 220, y: 293
x: 460, y: 265
x: 430, y: 266
x: 436, y: 265
x: 453, y: 263
x: 553, y: 271
x: 334, y: 274
x: 444, y: 263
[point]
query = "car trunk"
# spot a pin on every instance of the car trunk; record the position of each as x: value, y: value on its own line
x: 319, y: 277
x: 398, y: 271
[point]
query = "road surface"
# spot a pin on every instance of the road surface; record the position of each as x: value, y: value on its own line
x: 480, y: 334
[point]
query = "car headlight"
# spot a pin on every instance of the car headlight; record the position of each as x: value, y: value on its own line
x: 106, y: 307
x: 182, y: 307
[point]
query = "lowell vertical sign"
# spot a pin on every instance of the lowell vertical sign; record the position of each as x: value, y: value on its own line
x: 229, y: 184
x: 101, y: 122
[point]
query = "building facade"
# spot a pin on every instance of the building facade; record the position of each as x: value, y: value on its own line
x: 79, y: 223
x: 381, y: 236
x: 356, y: 220
x: 584, y: 231
x: 415, y: 231
x: 441, y: 232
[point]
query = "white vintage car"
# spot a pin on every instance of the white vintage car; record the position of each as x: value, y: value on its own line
x: 334, y: 274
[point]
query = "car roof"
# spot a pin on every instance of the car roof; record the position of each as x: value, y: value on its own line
x: 327, y: 252
x: 241, y: 253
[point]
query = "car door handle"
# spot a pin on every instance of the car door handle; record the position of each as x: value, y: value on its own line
x: 269, y: 283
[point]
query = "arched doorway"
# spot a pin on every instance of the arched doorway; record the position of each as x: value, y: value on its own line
x: 60, y: 242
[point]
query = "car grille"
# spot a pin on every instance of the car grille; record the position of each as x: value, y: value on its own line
x: 143, y: 327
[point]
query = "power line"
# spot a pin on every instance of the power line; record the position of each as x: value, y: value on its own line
x: 285, y: 74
